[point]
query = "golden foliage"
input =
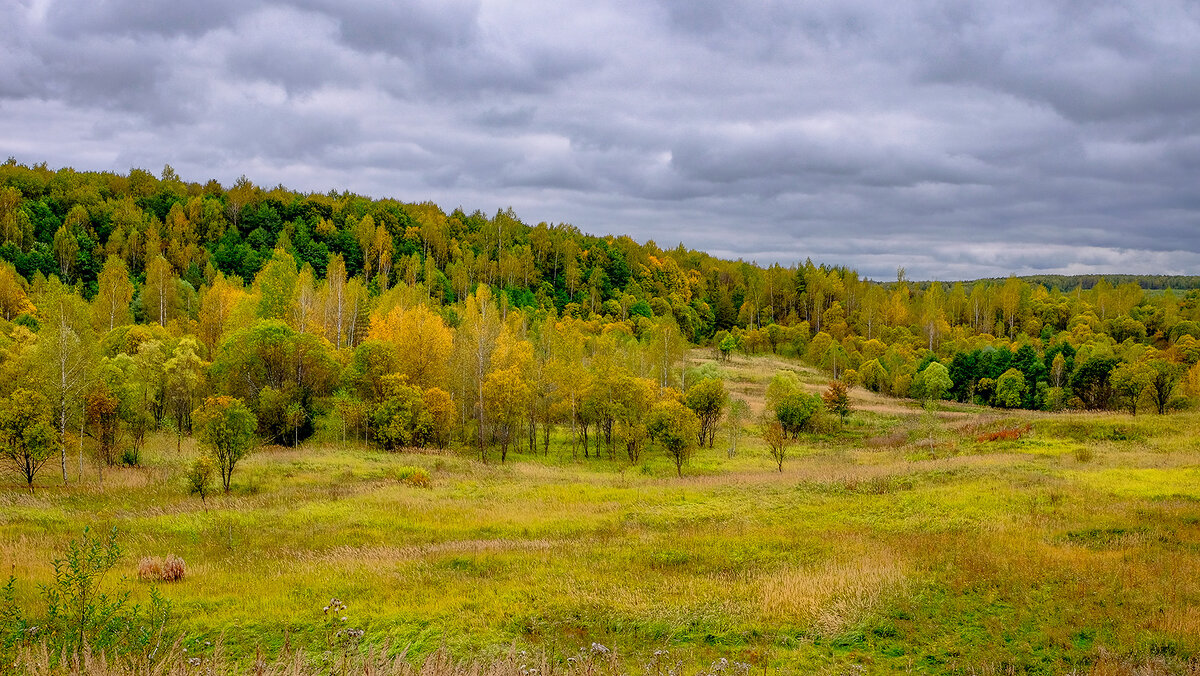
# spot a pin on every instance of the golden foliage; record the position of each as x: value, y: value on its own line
x: 423, y: 341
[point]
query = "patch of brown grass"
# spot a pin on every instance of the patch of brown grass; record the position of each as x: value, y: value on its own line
x: 155, y: 569
x: 833, y: 595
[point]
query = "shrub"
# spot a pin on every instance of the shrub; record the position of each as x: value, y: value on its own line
x: 413, y: 476
x: 1084, y: 454
x: 401, y: 419
x: 796, y: 411
x: 84, y: 616
x: 155, y: 569
x: 1117, y: 433
x: 200, y: 478
x: 1006, y: 434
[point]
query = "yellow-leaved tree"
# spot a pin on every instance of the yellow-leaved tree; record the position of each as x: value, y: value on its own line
x: 423, y: 344
x: 13, y: 301
x: 110, y: 307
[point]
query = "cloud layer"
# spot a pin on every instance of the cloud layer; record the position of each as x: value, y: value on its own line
x: 958, y: 139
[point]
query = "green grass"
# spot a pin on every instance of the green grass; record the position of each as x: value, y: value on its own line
x: 884, y: 557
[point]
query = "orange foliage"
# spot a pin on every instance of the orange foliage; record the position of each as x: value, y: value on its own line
x: 1006, y: 434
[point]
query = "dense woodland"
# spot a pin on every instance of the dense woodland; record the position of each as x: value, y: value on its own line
x: 128, y: 301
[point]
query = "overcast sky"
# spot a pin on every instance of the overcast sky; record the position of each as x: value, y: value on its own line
x: 960, y: 139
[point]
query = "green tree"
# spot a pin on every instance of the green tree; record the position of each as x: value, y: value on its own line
x: 1166, y: 376
x: 27, y: 434
x: 145, y: 392
x: 298, y: 367
x: 707, y: 400
x: 200, y: 478
x: 296, y: 416
x: 796, y: 411
x: 65, y: 358
x: 226, y: 427
x: 937, y: 380
x: 873, y: 375
x: 276, y: 285
x: 835, y: 359
x: 160, y: 291
x: 739, y: 410
x: 674, y: 427
x: 727, y: 345
x: 1129, y: 380
x: 184, y: 373
x: 666, y: 349
x: 1010, y: 389
x: 782, y: 385
x: 66, y: 247
x: 400, y: 418
x: 1091, y: 381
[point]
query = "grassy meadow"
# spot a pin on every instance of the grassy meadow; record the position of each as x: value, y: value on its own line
x: 903, y: 541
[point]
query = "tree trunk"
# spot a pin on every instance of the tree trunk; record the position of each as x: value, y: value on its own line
x: 62, y: 442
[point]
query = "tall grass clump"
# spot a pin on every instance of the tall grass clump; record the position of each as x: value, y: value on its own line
x: 156, y: 569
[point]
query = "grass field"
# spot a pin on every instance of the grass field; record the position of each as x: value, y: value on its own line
x: 900, y: 542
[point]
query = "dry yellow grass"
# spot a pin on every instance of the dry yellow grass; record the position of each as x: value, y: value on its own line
x: 381, y: 555
x: 831, y: 596
x: 381, y: 661
x: 837, y: 593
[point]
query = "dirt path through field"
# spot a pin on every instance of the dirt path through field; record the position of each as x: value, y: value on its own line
x: 748, y: 377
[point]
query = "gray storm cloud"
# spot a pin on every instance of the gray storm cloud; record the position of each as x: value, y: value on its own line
x: 958, y: 139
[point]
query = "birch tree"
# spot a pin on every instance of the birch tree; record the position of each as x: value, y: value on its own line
x: 110, y: 307
x: 65, y: 347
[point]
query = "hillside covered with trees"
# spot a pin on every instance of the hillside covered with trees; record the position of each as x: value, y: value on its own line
x: 131, y: 299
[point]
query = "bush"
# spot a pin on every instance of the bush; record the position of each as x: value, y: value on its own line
x: 200, y: 478
x: 84, y: 616
x: 823, y: 422
x: 1117, y: 433
x: 795, y: 411
x: 401, y: 418
x: 413, y: 476
x: 1179, y: 403
x: 155, y: 569
x: 131, y: 458
x: 1006, y: 434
